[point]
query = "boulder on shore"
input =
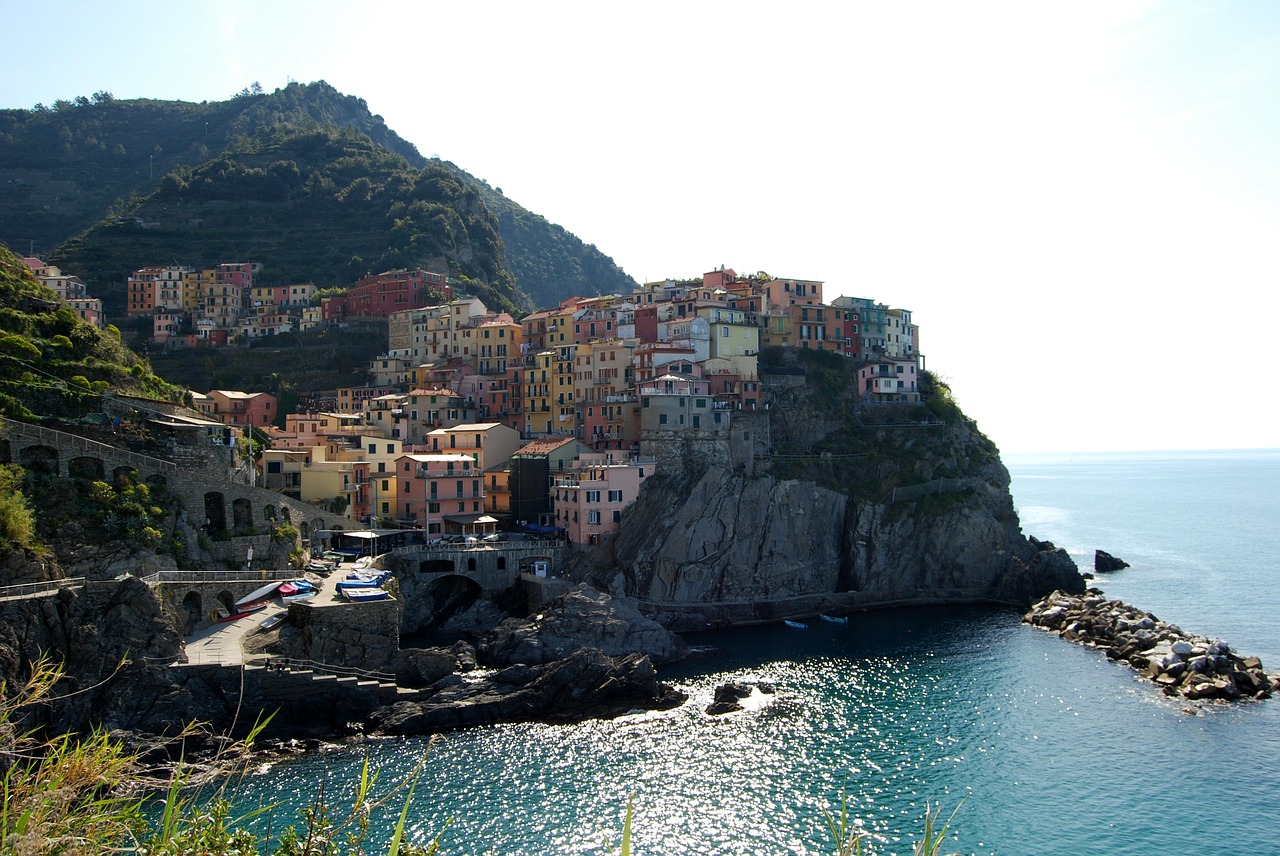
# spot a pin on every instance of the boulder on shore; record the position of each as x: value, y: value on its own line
x: 585, y: 684
x: 582, y: 618
x: 1104, y: 562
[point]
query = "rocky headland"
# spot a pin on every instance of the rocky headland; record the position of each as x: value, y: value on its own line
x: 1190, y: 666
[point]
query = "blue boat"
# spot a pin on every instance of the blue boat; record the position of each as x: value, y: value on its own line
x: 798, y: 625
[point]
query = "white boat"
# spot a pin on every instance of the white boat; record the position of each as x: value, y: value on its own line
x: 258, y: 594
x: 834, y: 619
x: 798, y: 625
x: 357, y: 595
x: 271, y: 621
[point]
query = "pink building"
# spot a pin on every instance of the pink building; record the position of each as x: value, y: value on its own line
x: 588, y: 502
x: 889, y: 379
x: 439, y: 493
x: 790, y: 292
x: 245, y: 409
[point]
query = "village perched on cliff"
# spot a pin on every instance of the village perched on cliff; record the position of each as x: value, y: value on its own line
x: 474, y: 421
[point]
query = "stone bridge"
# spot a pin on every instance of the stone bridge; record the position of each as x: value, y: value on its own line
x: 216, y: 506
x: 492, y: 566
x: 193, y: 596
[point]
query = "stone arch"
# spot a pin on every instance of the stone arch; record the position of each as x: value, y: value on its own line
x: 226, y: 600
x: 241, y: 513
x: 193, y: 608
x: 215, y: 512
x: 86, y: 467
x: 304, y: 530
x: 269, y: 513
x: 502, y: 563
x: 122, y: 477
x: 6, y: 451
x: 284, y: 514
x: 43, y: 458
x: 471, y: 564
x: 158, y: 482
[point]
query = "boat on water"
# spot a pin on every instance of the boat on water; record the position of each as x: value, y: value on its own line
x: 834, y: 619
x: 359, y: 595
x: 798, y: 625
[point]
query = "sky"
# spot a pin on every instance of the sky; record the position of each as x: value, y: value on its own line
x: 1079, y: 201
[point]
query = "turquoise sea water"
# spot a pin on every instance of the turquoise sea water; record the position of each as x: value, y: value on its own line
x: 1044, y: 746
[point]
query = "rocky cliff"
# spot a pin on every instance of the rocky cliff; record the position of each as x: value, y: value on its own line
x: 853, y: 507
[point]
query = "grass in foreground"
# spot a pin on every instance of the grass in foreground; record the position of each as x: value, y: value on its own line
x: 80, y: 795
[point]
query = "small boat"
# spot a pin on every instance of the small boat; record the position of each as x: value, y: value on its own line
x: 834, y: 619
x: 258, y: 594
x: 287, y: 589
x: 360, y: 583
x: 247, y: 609
x: 271, y: 621
x: 798, y: 625
x: 302, y: 595
x: 359, y: 595
x: 302, y: 585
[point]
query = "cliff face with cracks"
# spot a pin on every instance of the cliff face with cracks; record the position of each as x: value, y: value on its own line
x: 898, y: 504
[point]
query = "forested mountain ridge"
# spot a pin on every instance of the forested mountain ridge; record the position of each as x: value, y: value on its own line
x: 118, y: 175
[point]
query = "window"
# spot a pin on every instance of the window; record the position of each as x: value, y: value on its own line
x: 593, y: 496
x: 617, y: 515
x: 662, y: 419
x: 615, y: 496
x: 593, y: 517
x: 433, y: 508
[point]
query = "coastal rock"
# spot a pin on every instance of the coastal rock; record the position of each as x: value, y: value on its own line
x: 588, y: 683
x: 1104, y: 562
x: 727, y: 698
x: 422, y: 667
x: 726, y: 548
x: 580, y: 618
x: 1192, y: 666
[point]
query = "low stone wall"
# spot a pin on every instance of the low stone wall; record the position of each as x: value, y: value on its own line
x: 1194, y: 667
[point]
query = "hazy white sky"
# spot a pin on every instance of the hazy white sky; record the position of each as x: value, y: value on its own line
x: 1079, y: 201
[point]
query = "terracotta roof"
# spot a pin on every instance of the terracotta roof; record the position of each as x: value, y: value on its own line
x: 544, y: 446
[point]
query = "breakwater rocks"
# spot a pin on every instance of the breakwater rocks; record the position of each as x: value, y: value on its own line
x: 1194, y: 667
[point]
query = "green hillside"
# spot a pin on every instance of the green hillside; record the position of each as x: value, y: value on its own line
x: 269, y: 177
x: 52, y: 363
x: 313, y: 203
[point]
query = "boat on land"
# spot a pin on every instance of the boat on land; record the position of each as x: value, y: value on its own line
x: 360, y: 595
x: 360, y: 582
x: 258, y: 594
x: 834, y: 619
x: 798, y: 625
x: 271, y: 621
x: 302, y: 595
x: 241, y: 611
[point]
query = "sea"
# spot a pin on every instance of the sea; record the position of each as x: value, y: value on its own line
x: 1025, y: 743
